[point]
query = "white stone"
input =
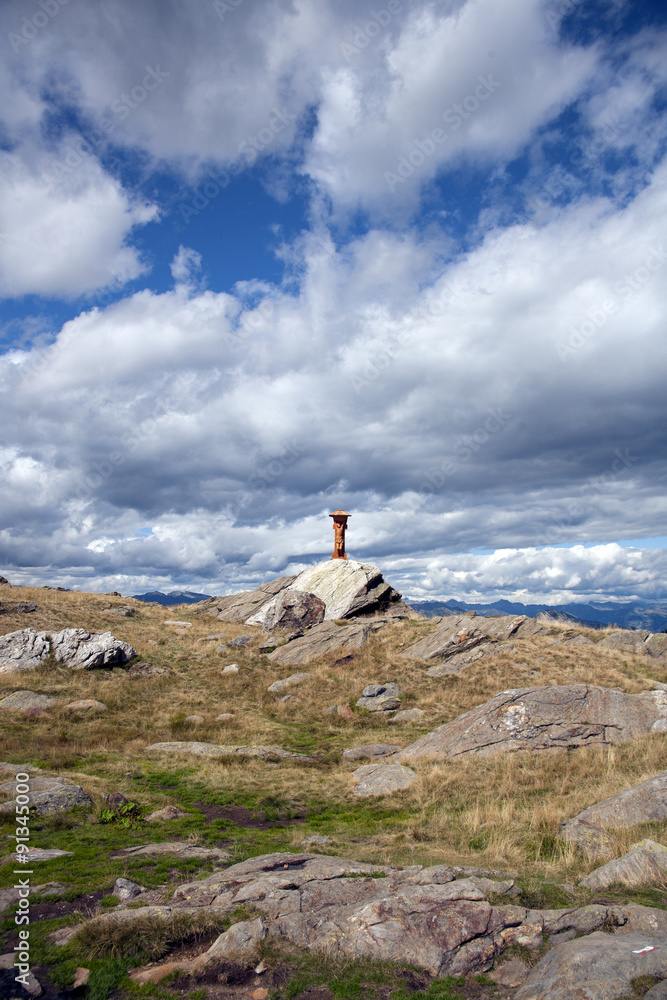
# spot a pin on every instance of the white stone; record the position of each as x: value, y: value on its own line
x: 231, y: 668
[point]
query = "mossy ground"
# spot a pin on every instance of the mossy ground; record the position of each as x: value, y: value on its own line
x: 499, y: 812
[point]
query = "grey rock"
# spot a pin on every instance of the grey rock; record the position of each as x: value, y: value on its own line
x: 408, y: 715
x: 21, y: 608
x: 240, y: 641
x: 294, y: 610
x: 543, y: 718
x: 596, y: 967
x: 642, y: 803
x: 457, y: 661
x: 511, y: 974
x: 125, y: 889
x: 657, y: 992
x: 223, y: 750
x: 82, y: 650
x: 36, y: 854
x: 321, y: 640
x: 87, y: 706
x: 380, y: 697
x: 4, y: 582
x: 48, y: 796
x: 21, y: 701
x: 31, y: 986
x: 644, y: 864
x: 237, y: 943
x: 463, y: 633
x: 239, y: 607
x: 177, y: 848
x: 288, y: 682
x: 165, y: 814
x: 626, y: 641
x: 225, y: 717
x: 644, y: 920
x: 382, y: 779
x: 315, y: 840
x: 231, y: 668
x: 193, y: 720
x: 370, y: 750
x: 347, y: 588
x: 23, y: 650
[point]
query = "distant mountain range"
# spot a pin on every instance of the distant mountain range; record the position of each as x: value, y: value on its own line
x: 651, y: 615
x: 173, y: 597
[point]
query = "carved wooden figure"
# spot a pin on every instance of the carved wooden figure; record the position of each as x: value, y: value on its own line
x: 340, y: 526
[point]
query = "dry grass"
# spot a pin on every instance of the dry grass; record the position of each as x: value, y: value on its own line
x: 502, y: 811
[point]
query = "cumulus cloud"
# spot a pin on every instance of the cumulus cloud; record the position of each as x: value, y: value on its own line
x: 65, y: 224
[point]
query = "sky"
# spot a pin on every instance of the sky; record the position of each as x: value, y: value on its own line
x: 263, y: 259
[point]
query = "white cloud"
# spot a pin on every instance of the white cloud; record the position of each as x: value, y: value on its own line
x: 65, y: 224
x: 185, y: 265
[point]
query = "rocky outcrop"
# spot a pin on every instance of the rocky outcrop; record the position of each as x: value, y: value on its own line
x: 348, y: 588
x: 643, y: 803
x: 597, y: 967
x: 23, y: 650
x: 543, y: 718
x: 237, y: 944
x: 48, y: 796
x: 177, y: 848
x: 644, y: 864
x: 637, y: 642
x: 321, y: 640
x: 462, y: 633
x: 294, y: 610
x: 75, y: 647
x: 239, y: 607
x: 223, y: 750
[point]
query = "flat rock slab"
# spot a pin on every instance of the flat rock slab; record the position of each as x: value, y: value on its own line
x: 36, y: 854
x: 224, y: 750
x: 543, y: 718
x: 408, y: 715
x: 644, y: 864
x: 86, y: 706
x: 177, y: 848
x: 457, y: 661
x: 48, y: 796
x: 643, y: 803
x: 321, y: 640
x: 382, y: 779
x: 370, y: 750
x: 20, y: 701
x: 419, y: 915
x: 239, y: 607
x: 288, y: 682
x: 460, y: 633
x: 597, y: 967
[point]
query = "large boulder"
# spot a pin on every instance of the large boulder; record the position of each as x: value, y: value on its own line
x: 75, y: 647
x: 643, y: 803
x: 82, y: 650
x: 294, y: 610
x: 596, y: 967
x: 322, y: 639
x: 23, y: 650
x: 48, y: 796
x: 543, y: 718
x: 382, y: 779
x: 348, y: 588
x: 24, y: 701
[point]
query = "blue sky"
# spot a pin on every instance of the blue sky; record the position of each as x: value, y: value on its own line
x: 262, y: 260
